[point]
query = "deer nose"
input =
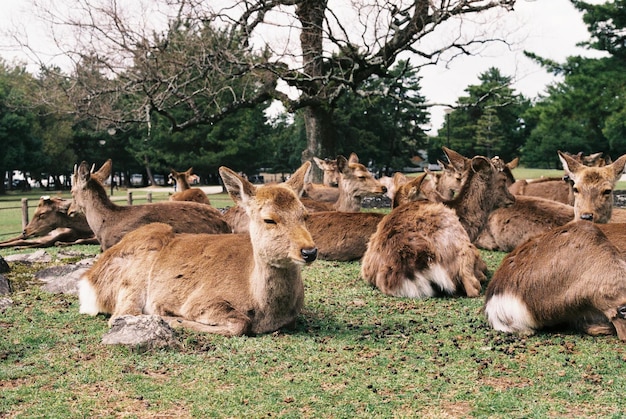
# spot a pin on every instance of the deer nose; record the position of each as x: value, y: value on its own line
x: 587, y: 216
x: 24, y: 234
x: 309, y: 255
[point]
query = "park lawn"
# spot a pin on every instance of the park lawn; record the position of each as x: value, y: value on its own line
x: 354, y: 353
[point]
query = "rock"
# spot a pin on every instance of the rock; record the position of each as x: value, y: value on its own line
x: 4, y: 266
x: 5, y: 303
x: 5, y: 286
x: 40, y: 256
x: 63, y: 279
x: 143, y: 332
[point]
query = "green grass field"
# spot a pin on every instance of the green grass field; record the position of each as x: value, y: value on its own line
x: 354, y: 353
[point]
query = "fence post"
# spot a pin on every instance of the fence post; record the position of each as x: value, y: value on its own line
x: 24, y: 213
x: 149, y: 197
x: 130, y: 198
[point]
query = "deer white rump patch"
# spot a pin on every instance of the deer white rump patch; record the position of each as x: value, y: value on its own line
x: 87, y: 298
x: 508, y: 313
x: 422, y: 285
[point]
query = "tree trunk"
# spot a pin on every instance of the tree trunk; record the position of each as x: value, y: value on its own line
x: 316, y: 118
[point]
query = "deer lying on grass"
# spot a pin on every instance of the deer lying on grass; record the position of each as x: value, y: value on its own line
x: 355, y: 183
x: 185, y: 191
x: 231, y: 284
x: 592, y: 187
x: 328, y: 191
x: 342, y: 236
x: 110, y: 222
x: 51, y: 225
x: 570, y: 276
x: 423, y: 248
x: 557, y: 189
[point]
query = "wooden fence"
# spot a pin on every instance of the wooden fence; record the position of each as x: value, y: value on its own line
x: 27, y: 207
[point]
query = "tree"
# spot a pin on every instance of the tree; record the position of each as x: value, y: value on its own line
x: 488, y: 120
x: 191, y: 62
x: 584, y: 112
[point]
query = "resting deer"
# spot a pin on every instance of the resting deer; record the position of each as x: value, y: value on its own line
x: 231, y: 284
x: 342, y: 236
x: 110, y: 222
x: 557, y: 189
x: 592, y: 187
x: 570, y: 276
x: 423, y: 248
x: 51, y: 225
x: 185, y: 191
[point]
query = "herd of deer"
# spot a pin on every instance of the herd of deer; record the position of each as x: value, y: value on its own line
x: 239, y: 271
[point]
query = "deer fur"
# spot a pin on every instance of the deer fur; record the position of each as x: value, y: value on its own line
x: 185, y: 191
x: 51, y: 225
x: 229, y: 284
x: 110, y: 222
x: 327, y: 191
x: 342, y: 236
x: 570, y: 276
x: 423, y: 248
x: 592, y: 187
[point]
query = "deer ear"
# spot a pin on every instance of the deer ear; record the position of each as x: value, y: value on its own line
x: 319, y: 162
x: 83, y: 172
x: 353, y: 158
x: 239, y: 189
x: 457, y: 160
x: 570, y: 165
x: 297, y: 180
x: 342, y: 164
x: 618, y: 166
x: 513, y: 163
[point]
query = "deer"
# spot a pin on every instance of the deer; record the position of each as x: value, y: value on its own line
x: 572, y: 276
x: 355, y: 183
x: 424, y: 248
x: 592, y: 187
x: 51, y: 225
x: 110, y: 222
x: 327, y: 191
x: 227, y: 284
x: 557, y: 188
x: 185, y: 191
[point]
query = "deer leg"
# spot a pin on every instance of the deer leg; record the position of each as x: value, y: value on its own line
x: 620, y: 323
x: 230, y: 327
x: 471, y: 284
x: 218, y: 317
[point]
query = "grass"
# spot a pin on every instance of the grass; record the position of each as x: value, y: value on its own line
x: 354, y: 353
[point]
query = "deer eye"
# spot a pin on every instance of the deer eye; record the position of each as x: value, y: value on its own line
x: 269, y: 221
x: 606, y: 192
x: 575, y: 189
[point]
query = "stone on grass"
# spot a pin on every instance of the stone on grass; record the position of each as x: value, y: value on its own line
x: 142, y: 332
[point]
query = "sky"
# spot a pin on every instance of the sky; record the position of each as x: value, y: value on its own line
x: 549, y: 28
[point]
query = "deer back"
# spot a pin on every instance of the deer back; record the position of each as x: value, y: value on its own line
x: 593, y: 187
x: 111, y: 222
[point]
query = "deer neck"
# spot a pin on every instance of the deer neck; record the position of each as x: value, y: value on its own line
x: 347, y: 201
x: 98, y: 206
x: 278, y: 292
x: 471, y: 205
x: 183, y: 185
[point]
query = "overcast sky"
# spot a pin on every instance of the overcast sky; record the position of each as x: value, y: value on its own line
x: 550, y: 28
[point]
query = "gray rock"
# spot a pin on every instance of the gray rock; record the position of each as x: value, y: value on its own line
x: 63, y: 279
x: 5, y: 285
x: 143, y: 332
x: 5, y: 303
x: 40, y: 256
x: 4, y: 266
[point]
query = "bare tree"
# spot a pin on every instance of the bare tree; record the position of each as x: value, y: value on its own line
x: 195, y: 61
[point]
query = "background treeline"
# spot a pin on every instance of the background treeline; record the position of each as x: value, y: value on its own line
x: 585, y: 111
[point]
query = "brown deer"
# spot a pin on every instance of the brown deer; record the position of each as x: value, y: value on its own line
x: 424, y: 248
x: 110, y: 222
x: 51, y: 225
x: 327, y: 191
x: 342, y: 236
x: 230, y: 284
x: 570, y: 276
x: 557, y: 189
x: 185, y: 191
x: 592, y: 187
